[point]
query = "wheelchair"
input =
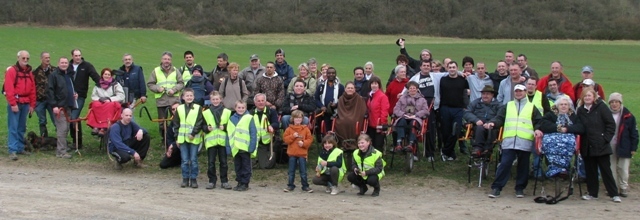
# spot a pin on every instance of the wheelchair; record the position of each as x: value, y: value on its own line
x: 346, y: 141
x: 556, y: 154
x: 411, y: 154
x: 483, y: 161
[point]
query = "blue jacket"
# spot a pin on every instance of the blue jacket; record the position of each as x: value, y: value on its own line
x: 627, y: 134
x: 253, y: 132
x: 134, y: 80
x: 285, y: 72
x: 120, y: 133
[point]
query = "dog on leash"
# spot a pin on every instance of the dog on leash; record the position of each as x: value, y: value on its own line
x: 35, y: 142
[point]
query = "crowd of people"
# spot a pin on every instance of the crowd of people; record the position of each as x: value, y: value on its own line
x: 235, y: 111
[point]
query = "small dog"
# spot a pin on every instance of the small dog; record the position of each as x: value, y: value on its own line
x: 35, y: 142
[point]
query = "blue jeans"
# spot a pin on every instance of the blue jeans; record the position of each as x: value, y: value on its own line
x: 17, y: 122
x: 189, y: 155
x: 301, y: 162
x: 41, y: 111
x: 405, y: 125
x: 504, y: 169
x: 286, y: 120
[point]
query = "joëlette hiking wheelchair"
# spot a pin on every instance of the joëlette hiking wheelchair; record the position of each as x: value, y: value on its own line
x: 410, y: 151
x: 562, y: 158
x: 483, y: 160
x: 346, y: 141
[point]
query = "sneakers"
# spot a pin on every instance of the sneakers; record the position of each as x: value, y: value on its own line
x: 334, y: 190
x: 495, y: 193
x: 589, y: 197
x: 13, y: 156
x: 624, y: 193
x: 225, y: 186
x: 408, y: 148
x: 398, y: 148
x: 240, y: 187
x: 210, y: 186
x: 519, y: 194
x: 430, y: 159
x: 450, y: 159
x: 118, y: 166
x: 307, y: 189
x: 327, y: 189
x: 616, y: 199
x: 64, y: 156
x: 288, y: 189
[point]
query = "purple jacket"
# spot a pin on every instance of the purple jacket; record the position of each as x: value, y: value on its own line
x: 418, y: 101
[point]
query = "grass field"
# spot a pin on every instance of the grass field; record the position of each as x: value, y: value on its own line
x: 615, y: 64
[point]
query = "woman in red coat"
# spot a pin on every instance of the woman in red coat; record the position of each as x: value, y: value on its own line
x: 378, y: 110
x: 395, y: 87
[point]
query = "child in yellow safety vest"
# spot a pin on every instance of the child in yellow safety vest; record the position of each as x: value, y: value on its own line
x: 216, y: 119
x: 242, y: 143
x: 299, y: 139
x: 189, y: 125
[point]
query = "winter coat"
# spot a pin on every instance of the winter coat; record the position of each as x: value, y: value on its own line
x: 41, y: 75
x: 293, y: 149
x: 133, y: 80
x: 305, y: 103
x: 250, y: 80
x: 417, y: 102
x: 506, y: 91
x: 577, y: 89
x: 114, y: 92
x: 599, y: 130
x: 480, y: 111
x: 548, y: 123
x: 84, y: 71
x: 393, y: 89
x: 272, y: 87
x: 285, y: 72
x: 19, y: 85
x: 217, y: 75
x: 627, y: 135
x: 58, y: 93
x: 235, y: 90
x: 378, y: 106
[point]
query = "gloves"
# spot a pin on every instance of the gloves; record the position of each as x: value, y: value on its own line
x: 104, y: 99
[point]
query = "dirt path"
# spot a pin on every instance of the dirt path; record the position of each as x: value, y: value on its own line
x: 35, y: 193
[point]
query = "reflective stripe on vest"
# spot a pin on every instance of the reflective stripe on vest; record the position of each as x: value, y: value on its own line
x: 519, y: 125
x: 216, y: 137
x: 167, y: 82
x: 261, y: 124
x: 187, y: 124
x: 333, y: 157
x: 369, y: 162
x: 239, y: 137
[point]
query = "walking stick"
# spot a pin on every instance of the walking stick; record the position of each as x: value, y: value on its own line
x: 266, y: 127
x: 76, y: 124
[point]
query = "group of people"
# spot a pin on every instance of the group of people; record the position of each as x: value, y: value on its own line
x: 234, y: 111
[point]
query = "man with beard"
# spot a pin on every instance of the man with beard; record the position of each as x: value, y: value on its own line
x: 220, y: 73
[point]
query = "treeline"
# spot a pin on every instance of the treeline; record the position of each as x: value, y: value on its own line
x: 520, y: 19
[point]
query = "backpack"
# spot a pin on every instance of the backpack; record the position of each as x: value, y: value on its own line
x: 15, y: 82
x: 199, y: 91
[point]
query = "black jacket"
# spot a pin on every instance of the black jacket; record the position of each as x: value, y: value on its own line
x: 133, y: 80
x: 306, y: 104
x: 548, y: 124
x: 57, y: 94
x: 84, y: 71
x: 599, y: 130
x: 480, y: 111
x: 627, y: 135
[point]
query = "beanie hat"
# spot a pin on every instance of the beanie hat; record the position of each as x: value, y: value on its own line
x: 615, y: 97
x: 198, y: 68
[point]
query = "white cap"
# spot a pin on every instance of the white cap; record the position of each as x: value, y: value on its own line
x: 520, y: 87
x: 588, y: 82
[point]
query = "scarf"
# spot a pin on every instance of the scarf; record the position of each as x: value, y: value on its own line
x: 217, y: 112
x: 563, y: 120
x: 336, y: 87
x: 104, y: 84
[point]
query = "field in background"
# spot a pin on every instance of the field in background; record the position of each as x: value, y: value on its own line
x: 615, y: 64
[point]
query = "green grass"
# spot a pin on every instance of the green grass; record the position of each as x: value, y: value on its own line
x: 614, y: 63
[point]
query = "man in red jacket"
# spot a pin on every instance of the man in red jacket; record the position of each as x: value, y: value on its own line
x: 563, y: 82
x: 20, y: 91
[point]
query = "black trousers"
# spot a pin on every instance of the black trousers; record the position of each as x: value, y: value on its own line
x: 221, y: 153
x: 592, y: 164
x: 484, y: 138
x: 173, y: 161
x: 325, y: 179
x: 141, y: 147
x: 372, y: 180
x: 377, y: 139
x: 242, y: 163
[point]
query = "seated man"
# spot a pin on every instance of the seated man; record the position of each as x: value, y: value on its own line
x: 479, y: 112
x: 127, y: 139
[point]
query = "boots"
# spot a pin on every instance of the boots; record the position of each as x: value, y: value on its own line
x: 43, y: 131
x: 376, y: 191
x: 194, y: 183
x: 185, y: 182
x: 363, y: 189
